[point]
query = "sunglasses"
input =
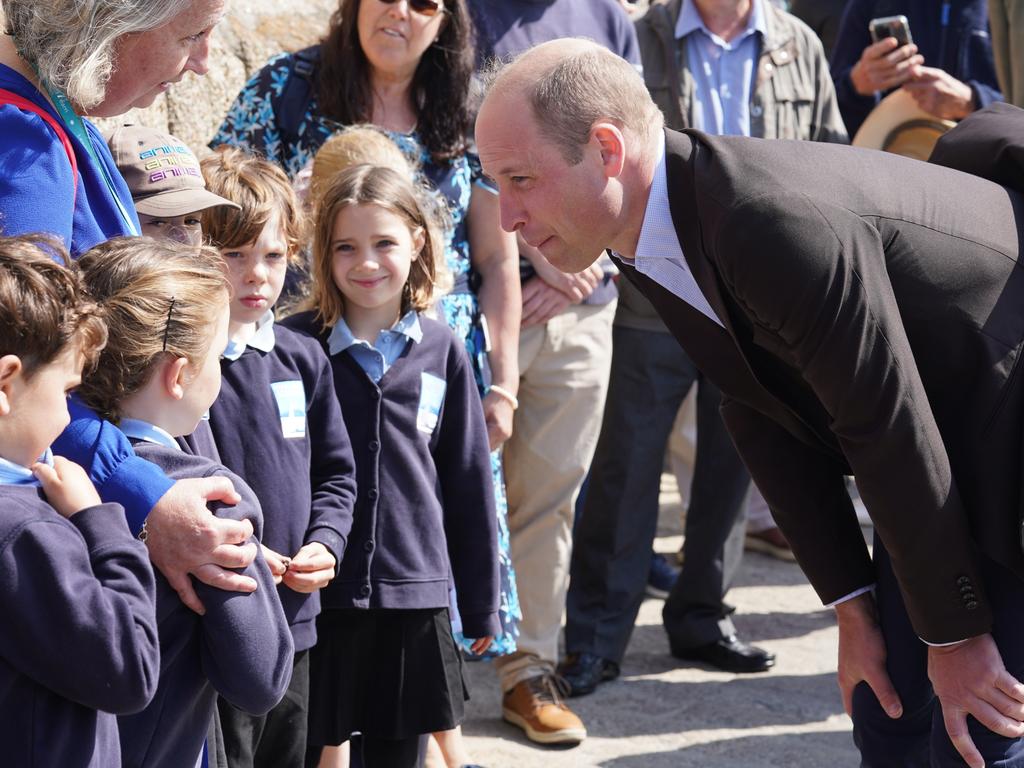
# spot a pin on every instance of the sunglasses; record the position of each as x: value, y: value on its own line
x: 422, y: 7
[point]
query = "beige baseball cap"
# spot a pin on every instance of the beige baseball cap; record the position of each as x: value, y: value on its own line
x: 161, y: 171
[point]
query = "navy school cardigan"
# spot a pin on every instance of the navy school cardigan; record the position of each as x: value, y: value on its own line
x: 277, y: 424
x: 240, y: 648
x: 425, y: 508
x: 79, y: 639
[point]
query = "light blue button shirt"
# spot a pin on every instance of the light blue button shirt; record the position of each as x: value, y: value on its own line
x: 723, y: 72
x: 658, y: 252
x: 376, y: 358
x: 15, y: 474
x: 263, y: 340
x: 143, y: 430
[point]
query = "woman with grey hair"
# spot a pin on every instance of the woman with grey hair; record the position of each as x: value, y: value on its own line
x: 61, y: 60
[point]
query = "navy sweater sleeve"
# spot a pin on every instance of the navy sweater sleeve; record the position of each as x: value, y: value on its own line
x: 246, y: 644
x: 470, y: 522
x: 77, y: 597
x: 118, y: 474
x: 332, y: 470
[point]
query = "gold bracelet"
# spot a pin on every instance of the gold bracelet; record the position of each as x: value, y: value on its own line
x: 504, y: 393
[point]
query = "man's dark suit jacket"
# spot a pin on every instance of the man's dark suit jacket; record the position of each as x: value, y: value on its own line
x: 874, y: 318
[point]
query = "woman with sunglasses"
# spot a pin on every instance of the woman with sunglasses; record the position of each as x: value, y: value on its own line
x: 406, y: 66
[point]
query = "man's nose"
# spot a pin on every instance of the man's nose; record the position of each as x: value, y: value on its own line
x: 513, y: 217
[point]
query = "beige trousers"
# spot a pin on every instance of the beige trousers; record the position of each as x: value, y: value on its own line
x: 1006, y: 18
x: 563, y: 368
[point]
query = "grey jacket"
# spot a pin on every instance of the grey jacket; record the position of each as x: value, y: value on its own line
x: 793, y: 98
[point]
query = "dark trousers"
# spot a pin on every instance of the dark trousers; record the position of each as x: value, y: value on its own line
x: 276, y: 739
x: 918, y: 739
x: 650, y: 377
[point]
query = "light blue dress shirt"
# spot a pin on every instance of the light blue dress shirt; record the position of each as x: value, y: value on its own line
x: 723, y: 72
x: 376, y: 358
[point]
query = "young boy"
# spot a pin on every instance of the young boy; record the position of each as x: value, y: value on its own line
x: 165, y: 181
x: 278, y: 425
x: 79, y: 643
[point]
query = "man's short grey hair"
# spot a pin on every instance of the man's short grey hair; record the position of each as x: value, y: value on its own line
x: 71, y: 42
x: 585, y: 86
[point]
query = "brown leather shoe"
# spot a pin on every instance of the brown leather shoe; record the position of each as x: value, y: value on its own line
x: 536, y: 705
x: 771, y: 542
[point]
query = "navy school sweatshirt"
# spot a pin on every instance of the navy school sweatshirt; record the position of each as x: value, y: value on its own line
x: 425, y: 508
x: 240, y: 648
x: 277, y: 424
x: 78, y: 643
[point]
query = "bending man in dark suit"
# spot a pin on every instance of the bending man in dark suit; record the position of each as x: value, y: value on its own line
x: 862, y: 314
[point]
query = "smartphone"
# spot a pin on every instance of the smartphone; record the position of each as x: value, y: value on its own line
x: 891, y: 26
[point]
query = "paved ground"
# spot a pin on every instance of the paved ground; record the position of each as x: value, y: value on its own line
x: 663, y: 714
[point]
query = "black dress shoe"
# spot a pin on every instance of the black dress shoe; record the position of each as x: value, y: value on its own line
x: 729, y: 654
x: 584, y: 671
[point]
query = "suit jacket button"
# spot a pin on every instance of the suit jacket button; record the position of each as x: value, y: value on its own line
x: 364, y: 590
x: 970, y: 605
x: 963, y: 580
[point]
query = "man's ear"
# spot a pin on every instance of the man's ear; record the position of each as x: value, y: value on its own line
x: 174, y: 377
x: 612, y: 144
x: 10, y: 367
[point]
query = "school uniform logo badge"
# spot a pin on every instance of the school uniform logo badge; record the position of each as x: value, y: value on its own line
x: 432, y: 391
x: 291, y: 407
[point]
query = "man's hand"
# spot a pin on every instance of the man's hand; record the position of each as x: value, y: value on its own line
x: 185, y: 538
x: 66, y: 485
x: 939, y: 93
x: 310, y: 569
x: 884, y: 65
x: 970, y: 679
x: 862, y: 655
x: 277, y: 563
x: 541, y: 302
x: 498, y: 415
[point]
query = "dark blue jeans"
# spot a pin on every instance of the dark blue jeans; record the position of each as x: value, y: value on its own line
x: 919, y: 739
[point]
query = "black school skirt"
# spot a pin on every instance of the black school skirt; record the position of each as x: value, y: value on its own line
x: 390, y: 674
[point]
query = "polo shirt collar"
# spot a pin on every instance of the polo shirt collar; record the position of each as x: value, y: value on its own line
x: 689, y: 21
x: 263, y: 340
x: 143, y: 430
x: 15, y: 474
x: 341, y: 337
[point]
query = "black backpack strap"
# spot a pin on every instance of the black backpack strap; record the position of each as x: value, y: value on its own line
x: 297, y: 93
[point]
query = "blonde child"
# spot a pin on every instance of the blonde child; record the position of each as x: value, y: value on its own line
x: 277, y: 423
x: 76, y: 588
x: 167, y: 313
x: 386, y: 664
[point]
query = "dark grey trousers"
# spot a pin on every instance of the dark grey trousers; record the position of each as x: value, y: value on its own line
x: 650, y: 377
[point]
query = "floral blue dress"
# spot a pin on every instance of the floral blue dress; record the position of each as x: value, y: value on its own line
x: 252, y: 123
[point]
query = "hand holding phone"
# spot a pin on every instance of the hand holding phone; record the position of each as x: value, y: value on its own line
x: 888, y: 62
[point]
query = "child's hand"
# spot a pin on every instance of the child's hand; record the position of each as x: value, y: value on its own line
x: 66, y: 485
x: 278, y: 564
x: 310, y: 569
x: 481, y: 644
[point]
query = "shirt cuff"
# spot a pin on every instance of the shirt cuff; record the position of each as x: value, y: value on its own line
x: 855, y: 593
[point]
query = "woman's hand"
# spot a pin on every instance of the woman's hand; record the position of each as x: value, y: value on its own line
x: 481, y: 644
x: 66, y: 485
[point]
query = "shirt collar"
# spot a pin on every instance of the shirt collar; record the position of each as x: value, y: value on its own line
x: 263, y: 339
x: 15, y: 474
x: 689, y: 21
x: 658, y: 238
x: 341, y: 337
x: 143, y: 430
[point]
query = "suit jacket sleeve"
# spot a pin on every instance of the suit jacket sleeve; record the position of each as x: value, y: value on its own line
x: 812, y: 281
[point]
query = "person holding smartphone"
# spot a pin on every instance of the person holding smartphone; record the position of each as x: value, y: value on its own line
x: 946, y: 63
